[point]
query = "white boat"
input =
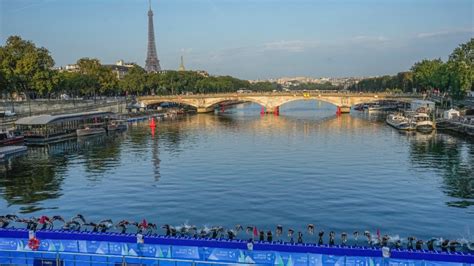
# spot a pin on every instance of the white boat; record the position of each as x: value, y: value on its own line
x: 92, y: 129
x: 400, y: 122
x: 375, y: 108
x: 424, y: 123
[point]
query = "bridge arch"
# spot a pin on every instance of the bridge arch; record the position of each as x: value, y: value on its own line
x: 307, y: 99
x: 216, y: 102
x: 183, y: 102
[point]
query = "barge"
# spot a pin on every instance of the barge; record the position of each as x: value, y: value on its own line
x: 44, y: 129
x: 60, y: 247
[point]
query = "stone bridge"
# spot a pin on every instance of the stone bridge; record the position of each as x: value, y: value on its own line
x: 272, y: 101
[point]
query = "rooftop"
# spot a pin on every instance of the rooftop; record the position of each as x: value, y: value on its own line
x: 46, y: 119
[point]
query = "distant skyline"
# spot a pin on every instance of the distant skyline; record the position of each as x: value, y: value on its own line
x: 249, y: 39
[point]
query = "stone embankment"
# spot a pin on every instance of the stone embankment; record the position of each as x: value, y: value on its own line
x: 38, y: 107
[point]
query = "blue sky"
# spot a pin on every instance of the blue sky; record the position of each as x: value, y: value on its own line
x: 251, y: 39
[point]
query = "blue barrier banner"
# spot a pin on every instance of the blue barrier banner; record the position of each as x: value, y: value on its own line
x: 221, y: 254
x: 120, y: 249
x: 434, y: 263
x: 263, y: 257
x: 356, y: 261
x: 332, y: 260
x: 399, y: 262
x: 315, y: 259
x: 59, y: 245
x: 290, y: 259
x: 185, y: 252
x: 153, y: 251
x: 94, y: 247
x: 11, y: 244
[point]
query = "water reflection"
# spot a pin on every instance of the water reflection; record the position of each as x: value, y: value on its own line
x: 100, y: 154
x: 453, y: 158
x: 27, y: 182
x: 39, y: 176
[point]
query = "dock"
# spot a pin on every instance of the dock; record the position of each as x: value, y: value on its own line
x: 11, y: 151
x: 60, y: 247
x: 466, y: 129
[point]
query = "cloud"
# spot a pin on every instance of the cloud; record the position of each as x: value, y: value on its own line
x: 293, y: 46
x: 37, y: 4
x: 186, y: 50
x: 365, y: 38
x: 443, y: 33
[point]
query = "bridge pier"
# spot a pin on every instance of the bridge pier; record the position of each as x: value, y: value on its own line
x: 345, y: 109
x: 272, y: 110
x: 202, y: 110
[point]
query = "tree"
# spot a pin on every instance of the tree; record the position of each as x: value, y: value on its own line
x: 101, y: 78
x: 405, y: 81
x: 108, y: 82
x: 424, y: 73
x: 460, y: 67
x: 134, y: 81
x: 26, y: 68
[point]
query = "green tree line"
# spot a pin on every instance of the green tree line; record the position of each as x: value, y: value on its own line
x: 26, y: 69
x: 455, y: 77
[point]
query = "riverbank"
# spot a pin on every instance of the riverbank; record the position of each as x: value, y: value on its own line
x: 460, y: 128
x: 56, y: 107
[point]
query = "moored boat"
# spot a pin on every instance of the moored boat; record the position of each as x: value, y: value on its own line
x: 359, y: 107
x: 400, y: 122
x: 424, y: 123
x: 375, y: 108
x: 9, y: 138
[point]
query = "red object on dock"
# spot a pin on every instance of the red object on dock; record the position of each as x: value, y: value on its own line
x: 277, y: 111
x: 338, y: 112
x: 262, y: 111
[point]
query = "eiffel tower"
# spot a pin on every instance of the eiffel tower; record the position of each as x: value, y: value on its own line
x: 152, y: 64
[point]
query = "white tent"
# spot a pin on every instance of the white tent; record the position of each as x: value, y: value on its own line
x: 450, y: 114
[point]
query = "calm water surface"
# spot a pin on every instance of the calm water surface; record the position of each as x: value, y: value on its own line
x: 344, y: 173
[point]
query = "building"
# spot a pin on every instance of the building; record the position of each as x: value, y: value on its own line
x: 72, y: 68
x: 203, y: 73
x: 123, y: 63
x: 121, y: 68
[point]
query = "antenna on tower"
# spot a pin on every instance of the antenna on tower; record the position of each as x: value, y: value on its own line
x: 149, y: 4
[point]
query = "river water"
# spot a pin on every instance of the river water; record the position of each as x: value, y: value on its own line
x: 307, y: 165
